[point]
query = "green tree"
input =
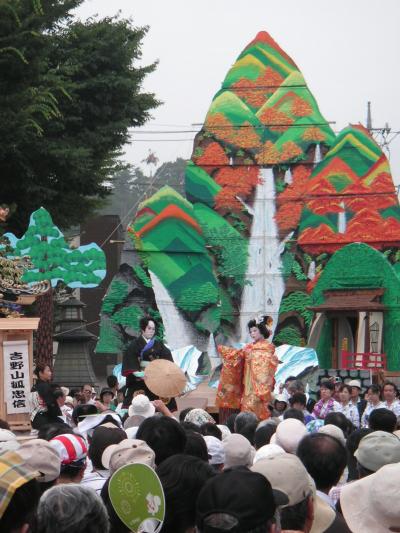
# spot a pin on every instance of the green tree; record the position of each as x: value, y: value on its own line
x: 70, y: 92
x: 53, y: 260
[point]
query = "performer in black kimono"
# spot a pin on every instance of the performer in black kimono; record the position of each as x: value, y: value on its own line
x: 139, y: 353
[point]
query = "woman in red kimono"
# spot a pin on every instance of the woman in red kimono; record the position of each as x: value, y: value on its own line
x: 247, y: 375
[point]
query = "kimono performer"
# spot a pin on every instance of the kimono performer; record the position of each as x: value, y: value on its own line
x: 139, y: 353
x: 247, y: 375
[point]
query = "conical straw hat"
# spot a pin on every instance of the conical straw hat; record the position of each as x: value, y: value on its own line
x: 164, y: 378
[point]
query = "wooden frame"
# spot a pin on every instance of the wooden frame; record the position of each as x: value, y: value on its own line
x: 16, y: 329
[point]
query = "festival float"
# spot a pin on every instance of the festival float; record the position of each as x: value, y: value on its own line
x: 281, y: 217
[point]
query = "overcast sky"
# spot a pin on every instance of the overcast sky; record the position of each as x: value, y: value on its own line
x: 347, y: 50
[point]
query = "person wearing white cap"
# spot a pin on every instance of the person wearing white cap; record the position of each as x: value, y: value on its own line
x: 288, y: 434
x: 238, y: 451
x: 268, y: 450
x: 216, y: 452
x: 391, y: 402
x: 358, y: 402
x: 141, y: 406
x: 371, y: 504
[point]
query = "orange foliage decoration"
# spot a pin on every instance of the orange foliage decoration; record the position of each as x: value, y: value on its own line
x: 276, y: 120
x: 244, y: 136
x: 255, y: 93
x: 296, y: 190
x: 269, y: 154
x: 313, y: 134
x: 213, y: 155
x: 290, y: 201
x: 300, y: 107
x: 220, y: 126
x: 290, y: 150
x: 235, y: 182
x: 288, y: 215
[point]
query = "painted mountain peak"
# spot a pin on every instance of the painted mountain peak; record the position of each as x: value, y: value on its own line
x: 264, y: 113
x: 350, y: 197
x: 270, y: 194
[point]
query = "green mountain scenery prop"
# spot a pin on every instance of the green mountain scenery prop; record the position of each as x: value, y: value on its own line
x: 327, y: 192
x: 351, y: 197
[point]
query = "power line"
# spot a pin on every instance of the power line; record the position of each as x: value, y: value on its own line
x: 161, y: 140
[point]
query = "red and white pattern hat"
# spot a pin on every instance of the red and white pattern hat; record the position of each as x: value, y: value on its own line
x: 71, y: 448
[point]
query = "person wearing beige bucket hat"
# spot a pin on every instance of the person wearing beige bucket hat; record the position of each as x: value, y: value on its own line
x: 371, y: 504
x: 304, y: 511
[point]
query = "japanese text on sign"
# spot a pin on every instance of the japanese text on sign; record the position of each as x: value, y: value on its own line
x: 16, y: 376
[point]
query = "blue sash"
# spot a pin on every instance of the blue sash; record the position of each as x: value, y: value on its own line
x: 148, y: 346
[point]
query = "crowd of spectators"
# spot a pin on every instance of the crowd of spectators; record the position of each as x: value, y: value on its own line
x: 331, y: 465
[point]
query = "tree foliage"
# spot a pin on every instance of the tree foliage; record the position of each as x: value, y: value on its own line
x: 70, y: 91
x: 51, y: 257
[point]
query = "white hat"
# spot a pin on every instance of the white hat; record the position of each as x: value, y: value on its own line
x: 289, y: 434
x: 238, y: 451
x: 90, y: 422
x: 141, y: 406
x: 371, y: 503
x: 354, y: 383
x: 225, y: 431
x: 333, y: 431
x: 281, y: 398
x: 215, y: 450
x: 8, y: 441
x: 268, y: 450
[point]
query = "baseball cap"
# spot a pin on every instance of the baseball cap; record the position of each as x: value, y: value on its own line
x: 288, y: 434
x: 8, y: 441
x: 142, y: 406
x: 369, y: 504
x: 287, y: 474
x: 377, y: 449
x: 13, y: 474
x: 238, y: 451
x: 40, y: 456
x: 72, y: 449
x: 267, y: 450
x: 128, y: 451
x: 243, y: 495
x: 333, y: 431
x: 215, y: 450
x: 354, y: 383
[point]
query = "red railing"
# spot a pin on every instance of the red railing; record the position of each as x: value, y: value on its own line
x: 363, y: 361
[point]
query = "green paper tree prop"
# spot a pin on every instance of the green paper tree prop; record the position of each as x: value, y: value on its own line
x: 53, y: 261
